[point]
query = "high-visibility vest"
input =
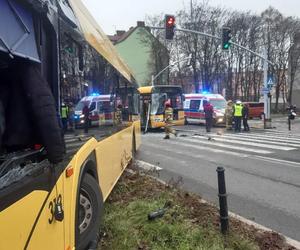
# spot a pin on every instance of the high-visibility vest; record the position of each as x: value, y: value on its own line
x: 169, y: 114
x: 64, y: 112
x: 238, y: 109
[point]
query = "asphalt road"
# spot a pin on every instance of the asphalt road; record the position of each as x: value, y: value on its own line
x: 262, y: 169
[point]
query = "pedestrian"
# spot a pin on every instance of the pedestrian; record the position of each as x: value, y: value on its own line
x: 245, y: 115
x: 228, y: 115
x: 64, y: 116
x: 237, y: 113
x: 71, y: 116
x: 209, y: 111
x: 168, y: 118
x: 86, y: 114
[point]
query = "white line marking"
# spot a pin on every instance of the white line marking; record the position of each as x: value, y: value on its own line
x: 239, y: 148
x: 215, y: 150
x: 263, y: 140
x: 241, y: 142
x: 148, y: 166
x: 265, y: 137
x: 274, y: 160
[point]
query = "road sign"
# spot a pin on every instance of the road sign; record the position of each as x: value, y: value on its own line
x: 270, y: 83
x: 265, y: 90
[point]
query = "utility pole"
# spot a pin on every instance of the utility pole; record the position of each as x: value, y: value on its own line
x: 267, y: 104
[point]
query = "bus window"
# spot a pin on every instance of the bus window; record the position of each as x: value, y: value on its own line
x: 158, y: 103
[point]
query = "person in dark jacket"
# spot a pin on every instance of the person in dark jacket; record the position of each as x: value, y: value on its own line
x: 30, y: 111
x: 86, y: 113
x: 209, y: 111
x: 245, y: 115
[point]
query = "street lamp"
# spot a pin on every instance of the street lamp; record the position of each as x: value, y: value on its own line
x: 169, y: 66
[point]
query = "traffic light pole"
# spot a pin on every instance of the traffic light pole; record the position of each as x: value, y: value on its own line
x: 266, y: 62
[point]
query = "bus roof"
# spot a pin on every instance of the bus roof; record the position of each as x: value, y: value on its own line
x: 98, y: 40
x: 149, y: 89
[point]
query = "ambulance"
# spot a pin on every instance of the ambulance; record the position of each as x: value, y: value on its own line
x: 194, y: 112
x: 101, y: 110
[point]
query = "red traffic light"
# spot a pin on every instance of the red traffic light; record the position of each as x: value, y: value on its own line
x: 169, y: 26
x: 170, y: 20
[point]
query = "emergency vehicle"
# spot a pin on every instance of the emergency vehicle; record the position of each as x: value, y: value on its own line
x: 194, y: 111
x: 101, y: 110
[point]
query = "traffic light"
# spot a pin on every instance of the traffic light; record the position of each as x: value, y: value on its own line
x: 226, y: 36
x: 169, y: 26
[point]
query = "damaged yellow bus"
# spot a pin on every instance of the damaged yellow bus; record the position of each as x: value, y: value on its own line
x: 52, y: 197
x: 153, y: 99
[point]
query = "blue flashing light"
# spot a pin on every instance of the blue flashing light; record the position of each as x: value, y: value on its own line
x: 95, y: 94
x: 205, y: 92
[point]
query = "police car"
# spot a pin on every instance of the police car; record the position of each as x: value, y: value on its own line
x: 194, y: 111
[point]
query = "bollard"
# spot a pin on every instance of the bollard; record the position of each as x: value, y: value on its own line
x: 223, y: 200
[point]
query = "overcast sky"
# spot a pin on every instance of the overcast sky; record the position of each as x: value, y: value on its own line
x: 115, y: 15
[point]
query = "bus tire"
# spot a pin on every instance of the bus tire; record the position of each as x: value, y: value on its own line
x: 89, y: 212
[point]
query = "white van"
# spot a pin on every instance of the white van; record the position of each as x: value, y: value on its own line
x: 101, y: 110
x: 194, y: 112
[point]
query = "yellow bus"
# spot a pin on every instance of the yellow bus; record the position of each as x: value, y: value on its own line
x: 43, y: 204
x: 153, y: 99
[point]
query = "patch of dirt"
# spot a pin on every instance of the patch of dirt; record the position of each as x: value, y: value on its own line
x: 134, y: 185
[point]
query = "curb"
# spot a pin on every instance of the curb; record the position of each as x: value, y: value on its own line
x: 290, y: 241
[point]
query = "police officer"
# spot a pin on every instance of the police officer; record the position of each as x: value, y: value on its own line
x: 237, y: 113
x: 168, y: 117
x: 228, y: 115
x: 64, y: 116
x: 209, y: 111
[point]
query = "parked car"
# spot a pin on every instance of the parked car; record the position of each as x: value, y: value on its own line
x: 256, y: 109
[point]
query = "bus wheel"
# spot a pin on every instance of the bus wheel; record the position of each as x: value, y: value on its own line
x: 90, y: 206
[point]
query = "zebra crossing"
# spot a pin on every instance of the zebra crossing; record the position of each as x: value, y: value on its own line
x: 74, y: 142
x: 241, y: 144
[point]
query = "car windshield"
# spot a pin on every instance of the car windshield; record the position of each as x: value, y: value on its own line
x: 80, y: 105
x: 218, y: 104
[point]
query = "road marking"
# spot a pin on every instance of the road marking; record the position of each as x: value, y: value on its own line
x: 148, y: 166
x: 239, y: 148
x: 264, y: 140
x: 275, y: 160
x: 266, y: 137
x: 255, y: 144
x: 215, y: 150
